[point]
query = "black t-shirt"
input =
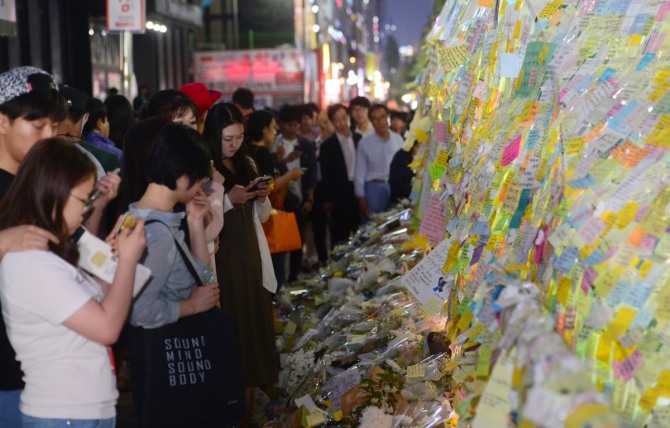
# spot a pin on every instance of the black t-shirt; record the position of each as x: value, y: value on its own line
x: 10, y: 369
x: 265, y: 161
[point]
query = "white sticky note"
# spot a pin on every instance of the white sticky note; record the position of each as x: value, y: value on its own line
x: 510, y: 65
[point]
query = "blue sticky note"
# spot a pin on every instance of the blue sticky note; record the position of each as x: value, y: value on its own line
x: 594, y: 258
x: 481, y: 228
x: 581, y: 183
x: 567, y: 259
x: 524, y: 199
x: 617, y: 294
x: 638, y: 294
x: 639, y: 22
x: 642, y: 319
x: 510, y: 65
x: 618, y: 119
x: 532, y: 138
x: 646, y: 59
x: 607, y: 74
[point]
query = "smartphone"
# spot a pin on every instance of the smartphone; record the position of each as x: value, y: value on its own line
x: 258, y: 181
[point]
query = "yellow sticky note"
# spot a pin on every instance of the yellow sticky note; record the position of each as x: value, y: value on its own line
x: 648, y: 400
x: 442, y: 158
x: 417, y: 371
x: 563, y: 290
x: 605, y: 282
x: 452, y: 257
x: 98, y: 259
x: 543, y: 54
x: 663, y: 384
x: 315, y: 419
x: 290, y: 328
x: 452, y: 57
x: 464, y: 321
x: 421, y: 136
x: 635, y: 39
x: 627, y: 215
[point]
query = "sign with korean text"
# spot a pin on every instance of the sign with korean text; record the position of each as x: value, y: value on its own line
x: 126, y: 15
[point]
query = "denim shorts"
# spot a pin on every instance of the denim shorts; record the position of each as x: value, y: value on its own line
x: 10, y: 417
x: 31, y: 422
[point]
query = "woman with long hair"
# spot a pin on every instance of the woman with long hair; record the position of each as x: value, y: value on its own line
x: 59, y: 320
x: 243, y: 260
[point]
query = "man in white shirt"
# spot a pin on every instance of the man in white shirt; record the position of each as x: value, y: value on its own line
x: 373, y: 159
x: 360, y: 123
x: 296, y: 152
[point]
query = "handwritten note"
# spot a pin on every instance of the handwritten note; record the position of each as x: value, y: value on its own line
x: 452, y: 57
x: 511, y: 151
x: 433, y: 223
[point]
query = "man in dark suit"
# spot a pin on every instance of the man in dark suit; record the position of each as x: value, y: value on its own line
x: 337, y: 158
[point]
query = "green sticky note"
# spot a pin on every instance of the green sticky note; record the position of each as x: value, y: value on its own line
x: 484, y: 363
x: 436, y: 171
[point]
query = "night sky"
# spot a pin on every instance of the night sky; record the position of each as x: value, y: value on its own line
x: 409, y: 16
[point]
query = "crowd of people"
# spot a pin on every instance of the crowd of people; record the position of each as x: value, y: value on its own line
x: 180, y: 163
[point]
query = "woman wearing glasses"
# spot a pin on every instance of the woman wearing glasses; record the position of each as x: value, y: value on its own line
x: 59, y: 321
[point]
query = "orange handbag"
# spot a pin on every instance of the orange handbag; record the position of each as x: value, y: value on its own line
x: 282, y: 233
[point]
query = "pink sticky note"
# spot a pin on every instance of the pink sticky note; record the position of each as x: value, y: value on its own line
x: 655, y: 42
x: 433, y: 223
x: 440, y: 132
x: 590, y: 275
x: 511, y: 151
x: 662, y: 11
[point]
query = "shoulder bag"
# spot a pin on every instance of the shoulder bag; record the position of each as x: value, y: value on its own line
x: 188, y: 373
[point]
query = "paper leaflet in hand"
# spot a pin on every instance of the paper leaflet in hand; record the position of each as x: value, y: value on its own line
x: 96, y: 258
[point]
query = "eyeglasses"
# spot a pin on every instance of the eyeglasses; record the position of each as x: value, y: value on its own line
x: 88, y: 202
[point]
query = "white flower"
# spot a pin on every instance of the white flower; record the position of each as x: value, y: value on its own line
x: 374, y: 417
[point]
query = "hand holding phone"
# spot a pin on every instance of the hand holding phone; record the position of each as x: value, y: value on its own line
x: 258, y: 181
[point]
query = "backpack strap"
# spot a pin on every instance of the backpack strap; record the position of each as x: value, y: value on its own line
x: 182, y: 252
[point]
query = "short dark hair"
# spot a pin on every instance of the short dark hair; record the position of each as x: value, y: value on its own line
x: 376, y: 107
x: 290, y: 113
x: 360, y: 101
x: 136, y: 145
x: 305, y: 110
x: 177, y: 150
x: 167, y: 104
x: 97, y: 110
x: 243, y: 97
x: 395, y: 114
x: 313, y: 107
x: 332, y: 110
x: 256, y: 123
x: 41, y: 189
x: 36, y: 105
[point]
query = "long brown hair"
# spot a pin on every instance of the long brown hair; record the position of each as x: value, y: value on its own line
x: 41, y: 189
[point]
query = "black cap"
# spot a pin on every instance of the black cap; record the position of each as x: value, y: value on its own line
x: 75, y: 100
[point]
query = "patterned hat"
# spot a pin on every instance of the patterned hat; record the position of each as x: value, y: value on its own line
x: 22, y: 80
